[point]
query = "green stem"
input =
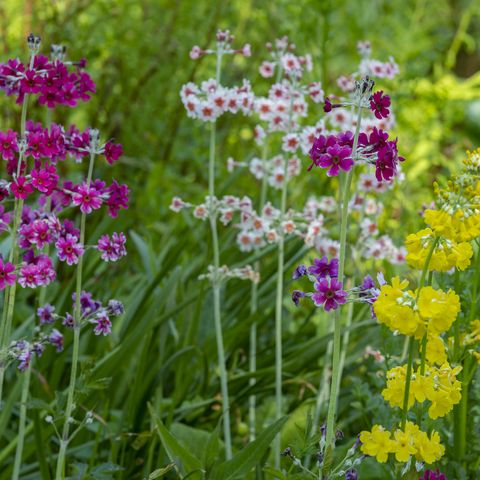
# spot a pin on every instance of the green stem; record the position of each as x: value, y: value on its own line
x: 411, y: 340
x: 21, y: 425
x: 216, y: 285
x: 279, y: 294
x: 253, y: 310
x: 64, y: 440
x: 337, y: 334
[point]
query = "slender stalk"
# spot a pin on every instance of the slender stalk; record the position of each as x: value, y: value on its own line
x: 279, y: 295
x: 336, y: 375
x: 64, y: 440
x: 253, y: 309
x: 21, y: 426
x: 411, y: 340
x: 216, y: 284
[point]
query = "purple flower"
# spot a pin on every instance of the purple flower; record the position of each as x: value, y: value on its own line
x: 433, y: 475
x: 87, y: 304
x: 368, y: 283
x: 8, y: 144
x: 336, y: 158
x: 112, y: 249
x: 113, y: 151
x: 68, y: 321
x: 103, y: 325
x: 56, y: 339
x: 24, y: 358
x: 117, y: 198
x: 351, y: 474
x: 7, y: 277
x: 379, y: 104
x: 300, y: 271
x: 296, y: 296
x: 115, y: 307
x: 329, y: 294
x: 321, y: 268
x: 88, y: 197
x: 46, y: 314
x: 30, y: 276
x: 328, y: 105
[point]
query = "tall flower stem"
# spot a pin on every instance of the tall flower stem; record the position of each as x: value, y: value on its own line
x: 64, y: 440
x: 335, y: 381
x: 21, y: 425
x: 411, y: 340
x: 216, y: 282
x: 279, y: 295
x: 10, y: 292
x: 253, y: 310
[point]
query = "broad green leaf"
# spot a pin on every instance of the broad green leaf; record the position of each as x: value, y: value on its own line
x: 184, y: 460
x: 246, y: 459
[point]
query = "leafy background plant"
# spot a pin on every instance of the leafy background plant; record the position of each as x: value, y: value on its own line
x: 162, y: 352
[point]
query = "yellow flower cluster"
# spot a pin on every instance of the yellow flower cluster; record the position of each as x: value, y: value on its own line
x: 446, y: 255
x: 433, y: 313
x: 404, y: 444
x: 437, y: 385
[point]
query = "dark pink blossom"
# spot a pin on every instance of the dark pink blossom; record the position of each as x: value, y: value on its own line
x: 21, y: 188
x: 113, y: 151
x: 45, y: 179
x: 7, y: 277
x: 322, y: 268
x: 336, y: 158
x: 8, y: 144
x: 88, y: 197
x: 117, y: 198
x: 379, y: 104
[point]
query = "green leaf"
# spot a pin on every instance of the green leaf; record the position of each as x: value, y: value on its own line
x: 104, y: 471
x: 184, y: 460
x: 246, y: 459
x: 160, y: 472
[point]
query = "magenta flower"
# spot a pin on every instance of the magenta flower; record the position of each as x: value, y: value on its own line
x: 41, y: 234
x: 433, y: 475
x: 113, y: 151
x: 112, y: 249
x: 69, y: 249
x: 329, y: 294
x: 385, y: 166
x: 21, y: 188
x: 89, y: 198
x: 321, y: 268
x: 31, y: 82
x: 8, y: 144
x: 379, y: 104
x: 336, y: 158
x: 117, y: 198
x: 7, y: 277
x: 45, y: 179
x: 30, y: 276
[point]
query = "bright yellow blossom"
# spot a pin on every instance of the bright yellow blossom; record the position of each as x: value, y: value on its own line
x: 377, y: 443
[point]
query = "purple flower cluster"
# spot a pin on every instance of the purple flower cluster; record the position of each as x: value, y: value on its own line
x: 329, y: 292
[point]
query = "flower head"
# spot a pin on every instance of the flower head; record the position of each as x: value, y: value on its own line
x: 329, y: 294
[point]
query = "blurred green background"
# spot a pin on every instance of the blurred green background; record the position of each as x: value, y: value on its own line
x: 163, y: 350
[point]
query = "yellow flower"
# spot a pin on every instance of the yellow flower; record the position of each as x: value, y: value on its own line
x: 377, y: 443
x: 422, y: 387
x: 403, y: 446
x: 436, y: 353
x: 439, y: 308
x: 429, y: 450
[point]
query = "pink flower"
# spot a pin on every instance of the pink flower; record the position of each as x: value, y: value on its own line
x: 69, y: 249
x: 7, y: 277
x: 30, y: 276
x: 45, y: 179
x: 8, y: 144
x: 89, y: 198
x: 117, y: 198
x: 21, y: 188
x: 41, y: 233
x: 31, y: 82
x: 112, y: 249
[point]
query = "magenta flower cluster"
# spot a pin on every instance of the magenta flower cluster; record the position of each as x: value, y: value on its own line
x: 329, y: 292
x: 39, y: 209
x: 51, y: 81
x: 433, y: 475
